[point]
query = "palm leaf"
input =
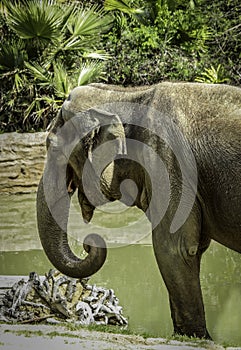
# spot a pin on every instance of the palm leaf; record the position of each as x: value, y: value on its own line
x: 89, y: 21
x: 19, y: 81
x: 97, y: 55
x: 61, y: 81
x: 12, y: 56
x: 33, y: 19
x: 39, y: 73
x: 90, y: 72
x: 142, y: 16
x: 121, y: 5
x: 213, y: 75
x: 77, y: 43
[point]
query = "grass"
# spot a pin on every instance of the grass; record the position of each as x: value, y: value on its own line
x: 30, y: 333
x: 74, y: 327
x: 71, y: 327
x: 196, y: 342
x: 98, y: 328
x: 24, y: 332
x: 107, y: 329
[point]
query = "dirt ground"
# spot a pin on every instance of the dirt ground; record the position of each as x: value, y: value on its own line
x: 52, y: 337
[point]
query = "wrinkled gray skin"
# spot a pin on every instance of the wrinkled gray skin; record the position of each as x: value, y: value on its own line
x: 209, y: 117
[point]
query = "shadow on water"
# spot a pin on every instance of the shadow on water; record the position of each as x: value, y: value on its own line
x: 132, y: 272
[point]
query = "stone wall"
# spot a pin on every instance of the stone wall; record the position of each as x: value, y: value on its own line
x: 22, y: 158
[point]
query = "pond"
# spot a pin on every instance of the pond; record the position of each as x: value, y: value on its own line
x: 130, y: 269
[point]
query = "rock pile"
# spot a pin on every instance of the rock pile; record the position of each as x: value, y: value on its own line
x: 56, y: 298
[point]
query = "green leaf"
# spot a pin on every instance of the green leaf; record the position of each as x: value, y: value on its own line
x: 34, y: 19
x: 12, y: 56
x: 98, y: 55
x: 77, y: 43
x: 89, y: 72
x: 30, y: 108
x: 61, y: 82
x: 213, y: 75
x: 19, y: 81
x: 121, y: 5
x: 91, y: 21
x: 39, y: 73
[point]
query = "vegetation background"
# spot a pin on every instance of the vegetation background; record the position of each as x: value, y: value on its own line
x: 49, y: 46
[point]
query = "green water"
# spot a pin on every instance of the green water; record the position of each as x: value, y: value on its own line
x: 130, y: 270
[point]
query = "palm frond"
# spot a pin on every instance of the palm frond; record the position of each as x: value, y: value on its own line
x: 89, y: 21
x: 77, y: 43
x: 83, y: 44
x: 19, y: 81
x: 97, y: 55
x: 39, y: 73
x: 90, y: 72
x: 34, y: 19
x: 213, y: 75
x: 121, y: 5
x: 61, y: 81
x: 38, y: 112
x: 12, y: 56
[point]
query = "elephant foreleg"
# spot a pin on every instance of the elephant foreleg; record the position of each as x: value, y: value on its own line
x: 178, y: 256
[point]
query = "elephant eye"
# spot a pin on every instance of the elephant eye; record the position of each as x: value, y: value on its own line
x: 86, y: 142
x: 91, y: 140
x: 96, y: 137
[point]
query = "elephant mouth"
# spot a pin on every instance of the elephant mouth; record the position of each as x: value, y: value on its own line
x: 101, y: 190
x: 71, y: 187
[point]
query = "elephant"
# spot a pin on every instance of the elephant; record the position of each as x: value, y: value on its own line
x: 173, y: 150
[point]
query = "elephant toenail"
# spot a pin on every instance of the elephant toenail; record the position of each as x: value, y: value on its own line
x: 192, y: 250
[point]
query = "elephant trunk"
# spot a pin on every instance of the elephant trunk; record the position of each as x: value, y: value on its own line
x: 52, y: 226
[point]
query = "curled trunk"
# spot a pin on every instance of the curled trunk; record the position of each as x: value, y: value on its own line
x: 52, y: 226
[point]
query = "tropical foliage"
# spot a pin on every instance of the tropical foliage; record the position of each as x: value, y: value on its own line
x: 174, y: 40
x: 49, y: 46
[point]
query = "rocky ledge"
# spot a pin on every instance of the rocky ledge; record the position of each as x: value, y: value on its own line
x: 22, y: 161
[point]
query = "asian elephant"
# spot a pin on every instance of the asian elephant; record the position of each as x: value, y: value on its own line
x: 180, y: 143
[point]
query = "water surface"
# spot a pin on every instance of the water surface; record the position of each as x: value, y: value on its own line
x: 130, y: 269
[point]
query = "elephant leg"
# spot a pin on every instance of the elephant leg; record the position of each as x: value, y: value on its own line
x: 178, y: 256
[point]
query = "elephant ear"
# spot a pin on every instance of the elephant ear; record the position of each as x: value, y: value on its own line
x: 108, y: 127
x: 92, y: 126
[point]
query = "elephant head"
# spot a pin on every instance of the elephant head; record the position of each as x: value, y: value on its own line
x: 71, y: 146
